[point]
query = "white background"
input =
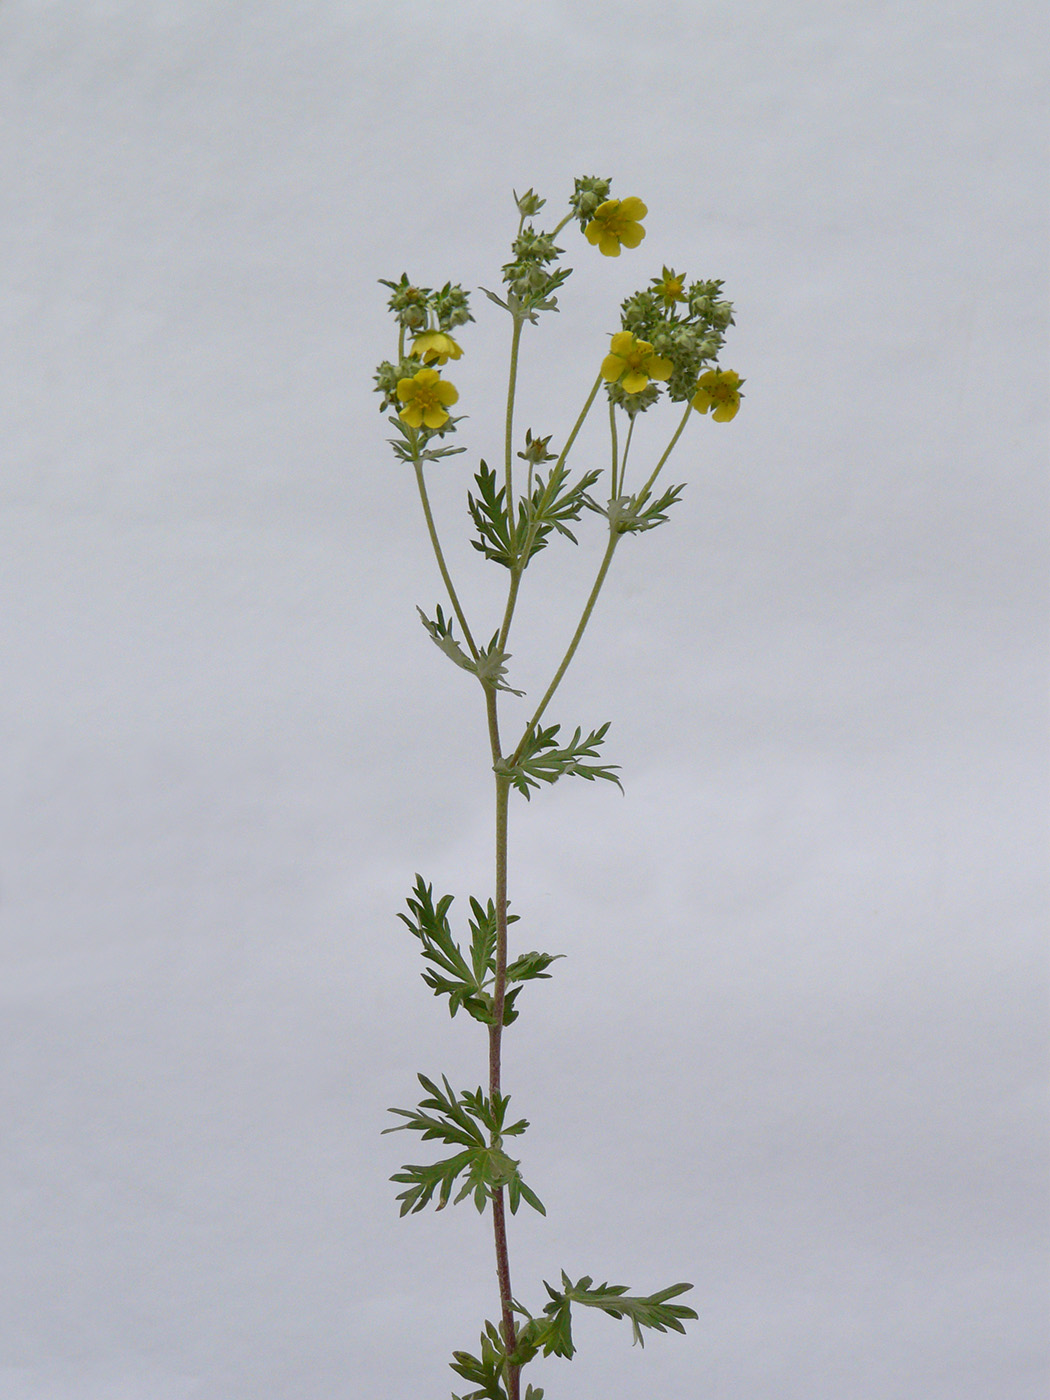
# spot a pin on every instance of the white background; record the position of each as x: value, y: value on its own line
x: 794, y: 1053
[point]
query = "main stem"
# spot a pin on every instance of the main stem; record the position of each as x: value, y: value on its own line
x: 499, y: 1215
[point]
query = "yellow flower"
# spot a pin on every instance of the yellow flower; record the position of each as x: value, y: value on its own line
x: 718, y: 388
x: 636, y: 361
x: 434, y: 346
x: 616, y: 222
x: 425, y: 396
x: 670, y: 287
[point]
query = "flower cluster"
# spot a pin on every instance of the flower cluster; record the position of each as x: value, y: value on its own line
x: 528, y: 276
x: 684, y: 324
x: 589, y: 193
x: 416, y: 307
x: 414, y: 382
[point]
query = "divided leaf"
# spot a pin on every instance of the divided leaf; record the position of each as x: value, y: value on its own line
x: 475, y: 1123
x: 633, y: 514
x: 468, y: 984
x: 541, y: 761
x: 489, y: 666
x: 551, y: 502
x: 554, y: 1335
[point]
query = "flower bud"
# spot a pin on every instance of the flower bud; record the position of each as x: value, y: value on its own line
x: 536, y: 450
x: 529, y: 203
x: 589, y: 193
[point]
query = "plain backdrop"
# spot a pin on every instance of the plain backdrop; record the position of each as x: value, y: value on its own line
x: 795, y: 1052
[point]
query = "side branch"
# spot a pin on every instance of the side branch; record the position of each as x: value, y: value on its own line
x: 446, y: 576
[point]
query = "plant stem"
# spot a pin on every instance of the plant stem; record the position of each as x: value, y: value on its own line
x: 567, y: 658
x: 512, y: 598
x: 509, y: 434
x: 516, y: 572
x: 615, y: 447
x: 453, y: 598
x: 627, y: 449
x: 499, y: 1217
x: 579, y: 423
x: 667, y: 452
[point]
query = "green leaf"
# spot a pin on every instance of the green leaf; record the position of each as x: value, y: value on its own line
x: 551, y: 504
x: 488, y: 667
x: 484, y: 1371
x: 459, y: 1122
x: 632, y: 514
x: 488, y: 510
x: 653, y: 1311
x: 450, y: 974
x: 552, y: 501
x: 541, y: 761
x: 530, y: 965
x: 468, y: 984
x: 410, y: 444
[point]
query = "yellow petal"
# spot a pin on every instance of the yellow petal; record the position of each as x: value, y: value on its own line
x: 412, y: 415
x: 593, y: 231
x: 621, y: 342
x: 701, y: 401
x: 426, y: 377
x: 447, y: 393
x: 634, y: 382
x: 633, y: 208
x: 406, y: 389
x: 609, y: 244
x: 612, y: 368
x: 632, y: 235
x: 659, y: 368
x: 725, y: 411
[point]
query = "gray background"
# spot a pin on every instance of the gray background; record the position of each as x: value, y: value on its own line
x: 795, y: 1051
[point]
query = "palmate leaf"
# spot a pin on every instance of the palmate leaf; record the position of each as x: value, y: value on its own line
x: 475, y: 1123
x: 484, y: 1371
x: 541, y: 761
